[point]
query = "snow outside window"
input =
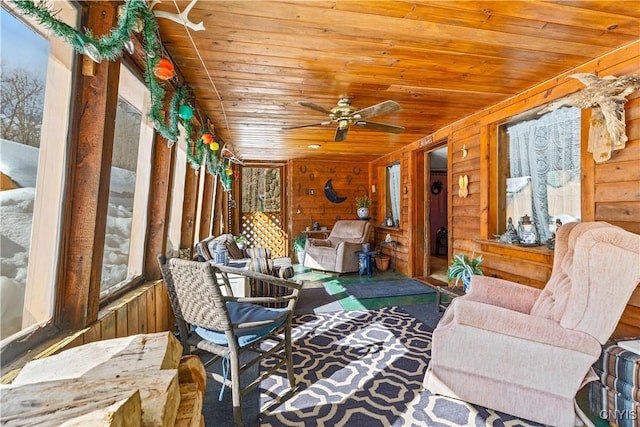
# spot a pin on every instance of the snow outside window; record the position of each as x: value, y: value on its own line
x: 35, y: 72
x: 129, y: 187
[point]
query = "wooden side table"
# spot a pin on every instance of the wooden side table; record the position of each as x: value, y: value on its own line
x: 451, y: 292
x: 317, y: 234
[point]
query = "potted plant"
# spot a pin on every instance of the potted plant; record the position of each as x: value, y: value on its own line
x: 299, y: 244
x: 382, y: 262
x: 363, y: 203
x: 241, y: 241
x: 462, y: 268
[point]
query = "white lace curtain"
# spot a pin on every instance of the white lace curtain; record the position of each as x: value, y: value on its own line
x: 394, y: 190
x: 542, y: 149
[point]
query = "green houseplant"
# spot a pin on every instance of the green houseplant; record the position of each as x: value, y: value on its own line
x: 462, y: 268
x: 363, y: 203
x: 299, y: 243
x: 241, y: 241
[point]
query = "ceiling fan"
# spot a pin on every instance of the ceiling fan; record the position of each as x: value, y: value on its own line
x: 343, y: 115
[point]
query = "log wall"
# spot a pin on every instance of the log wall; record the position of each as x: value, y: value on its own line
x: 305, y: 192
x: 610, y: 190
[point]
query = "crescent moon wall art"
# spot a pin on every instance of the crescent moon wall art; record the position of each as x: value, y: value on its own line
x: 331, y: 193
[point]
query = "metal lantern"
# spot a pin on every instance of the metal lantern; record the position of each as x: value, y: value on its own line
x: 527, y: 231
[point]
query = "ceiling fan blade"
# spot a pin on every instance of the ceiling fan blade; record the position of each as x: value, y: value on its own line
x: 341, y: 134
x: 309, y: 125
x: 377, y: 110
x: 314, y: 107
x: 379, y: 126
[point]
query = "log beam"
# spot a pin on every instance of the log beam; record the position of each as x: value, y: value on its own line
x: 91, y: 148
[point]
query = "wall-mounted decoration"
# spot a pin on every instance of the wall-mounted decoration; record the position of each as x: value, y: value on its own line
x: 606, y: 97
x: 180, y: 18
x: 436, y: 187
x: 331, y: 193
x: 463, y: 183
x: 465, y: 152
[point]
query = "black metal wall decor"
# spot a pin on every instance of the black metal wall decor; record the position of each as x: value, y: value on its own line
x: 331, y: 193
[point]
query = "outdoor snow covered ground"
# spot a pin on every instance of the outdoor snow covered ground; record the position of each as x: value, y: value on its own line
x: 19, y: 162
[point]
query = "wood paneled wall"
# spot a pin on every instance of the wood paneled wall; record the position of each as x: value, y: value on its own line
x: 402, y: 234
x: 611, y: 190
x: 305, y: 192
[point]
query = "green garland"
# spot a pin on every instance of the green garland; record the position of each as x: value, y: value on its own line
x: 111, y: 46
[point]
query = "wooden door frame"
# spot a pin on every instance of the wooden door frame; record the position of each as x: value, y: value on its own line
x: 422, y: 239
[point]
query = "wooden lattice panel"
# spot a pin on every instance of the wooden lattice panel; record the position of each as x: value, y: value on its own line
x: 264, y: 230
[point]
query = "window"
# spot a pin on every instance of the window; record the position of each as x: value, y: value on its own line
x: 177, y: 194
x: 393, y: 194
x: 129, y: 186
x: 540, y: 163
x: 36, y: 89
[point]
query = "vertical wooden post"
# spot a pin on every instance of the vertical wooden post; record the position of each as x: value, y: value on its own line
x: 189, y: 204
x: 158, y: 207
x: 91, y: 147
x: 207, y: 206
x: 237, y: 196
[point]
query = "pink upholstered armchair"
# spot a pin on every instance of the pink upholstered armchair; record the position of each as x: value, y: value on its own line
x: 526, y: 351
x: 337, y: 253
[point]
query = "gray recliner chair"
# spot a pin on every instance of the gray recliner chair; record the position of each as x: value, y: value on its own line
x: 337, y: 253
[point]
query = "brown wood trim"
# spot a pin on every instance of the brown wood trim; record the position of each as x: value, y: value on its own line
x: 487, y: 190
x: 207, y: 205
x: 85, y: 216
x: 539, y: 254
x: 587, y: 171
x: 189, y: 206
x: 158, y: 206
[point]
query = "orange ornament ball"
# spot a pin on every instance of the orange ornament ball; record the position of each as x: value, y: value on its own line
x: 207, y: 138
x: 164, y: 69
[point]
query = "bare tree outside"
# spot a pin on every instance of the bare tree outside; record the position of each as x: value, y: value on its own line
x: 22, y: 98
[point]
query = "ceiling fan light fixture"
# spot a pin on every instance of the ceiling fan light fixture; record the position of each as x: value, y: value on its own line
x: 343, y: 115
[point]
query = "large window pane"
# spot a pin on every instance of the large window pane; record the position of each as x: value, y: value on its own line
x: 36, y: 80
x: 121, y: 193
x: 129, y: 186
x: 393, y: 194
x: 542, y: 170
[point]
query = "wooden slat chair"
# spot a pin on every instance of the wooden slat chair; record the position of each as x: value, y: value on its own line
x: 226, y: 326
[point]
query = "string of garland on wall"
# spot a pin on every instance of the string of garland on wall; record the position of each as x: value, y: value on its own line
x: 135, y: 16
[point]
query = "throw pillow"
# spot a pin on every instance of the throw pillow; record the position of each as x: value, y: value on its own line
x: 234, y: 251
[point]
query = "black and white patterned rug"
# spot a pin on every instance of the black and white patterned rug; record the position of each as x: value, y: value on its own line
x: 364, y: 368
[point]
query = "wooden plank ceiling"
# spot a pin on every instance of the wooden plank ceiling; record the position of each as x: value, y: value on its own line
x: 440, y: 60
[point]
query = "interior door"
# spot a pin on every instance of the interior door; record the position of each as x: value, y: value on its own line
x: 262, y: 209
x: 436, y: 224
